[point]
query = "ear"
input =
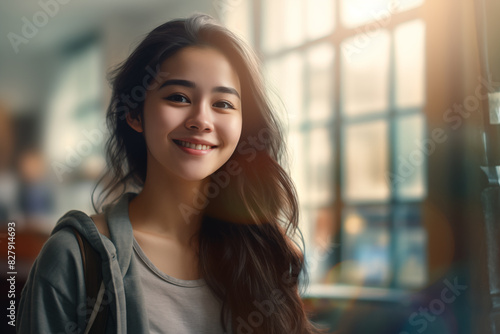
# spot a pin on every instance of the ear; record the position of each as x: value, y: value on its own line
x: 135, y: 123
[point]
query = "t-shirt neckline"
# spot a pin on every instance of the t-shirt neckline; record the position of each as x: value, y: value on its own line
x: 177, y: 281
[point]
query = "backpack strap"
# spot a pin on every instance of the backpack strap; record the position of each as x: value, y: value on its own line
x: 94, y: 284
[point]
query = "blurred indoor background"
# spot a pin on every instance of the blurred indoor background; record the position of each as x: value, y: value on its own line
x: 383, y: 103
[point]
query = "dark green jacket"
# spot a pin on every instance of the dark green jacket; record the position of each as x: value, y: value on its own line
x: 54, y: 298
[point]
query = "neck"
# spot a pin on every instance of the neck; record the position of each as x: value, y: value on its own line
x: 168, y: 206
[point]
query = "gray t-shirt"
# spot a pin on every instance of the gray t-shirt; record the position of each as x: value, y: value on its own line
x: 178, y: 306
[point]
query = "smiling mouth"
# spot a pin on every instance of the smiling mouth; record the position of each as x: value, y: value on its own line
x: 199, y: 147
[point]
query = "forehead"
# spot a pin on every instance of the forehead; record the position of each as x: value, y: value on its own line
x: 201, y: 64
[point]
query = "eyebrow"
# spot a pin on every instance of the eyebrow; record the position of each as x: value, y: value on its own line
x: 190, y: 84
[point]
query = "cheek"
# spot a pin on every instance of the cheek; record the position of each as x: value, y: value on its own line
x: 232, y: 130
x: 160, y: 121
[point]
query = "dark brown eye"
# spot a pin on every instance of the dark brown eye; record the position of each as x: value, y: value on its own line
x: 179, y: 98
x: 223, y: 105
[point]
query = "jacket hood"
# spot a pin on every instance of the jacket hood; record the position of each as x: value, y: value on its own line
x: 120, y: 244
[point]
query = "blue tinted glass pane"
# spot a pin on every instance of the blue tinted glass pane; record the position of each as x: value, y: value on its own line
x: 410, y: 247
x: 365, y: 246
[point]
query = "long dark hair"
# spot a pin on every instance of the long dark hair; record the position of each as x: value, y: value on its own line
x: 247, y: 252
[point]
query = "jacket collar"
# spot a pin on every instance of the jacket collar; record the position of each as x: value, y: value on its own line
x: 120, y: 230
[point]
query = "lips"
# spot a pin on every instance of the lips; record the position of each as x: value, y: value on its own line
x: 195, y: 144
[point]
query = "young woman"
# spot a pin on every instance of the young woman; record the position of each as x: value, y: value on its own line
x: 204, y: 243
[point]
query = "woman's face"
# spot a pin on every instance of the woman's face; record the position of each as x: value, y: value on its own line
x: 192, y: 115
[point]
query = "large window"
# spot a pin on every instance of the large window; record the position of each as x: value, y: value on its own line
x: 75, y: 128
x: 351, y: 74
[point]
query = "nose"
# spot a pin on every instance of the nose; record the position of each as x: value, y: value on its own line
x: 200, y: 119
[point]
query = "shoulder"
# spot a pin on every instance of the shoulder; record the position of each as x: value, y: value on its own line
x: 59, y: 257
x: 101, y: 224
x: 55, y: 286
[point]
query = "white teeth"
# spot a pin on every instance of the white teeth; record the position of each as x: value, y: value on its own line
x: 194, y: 146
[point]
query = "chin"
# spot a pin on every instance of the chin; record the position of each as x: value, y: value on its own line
x: 193, y: 177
